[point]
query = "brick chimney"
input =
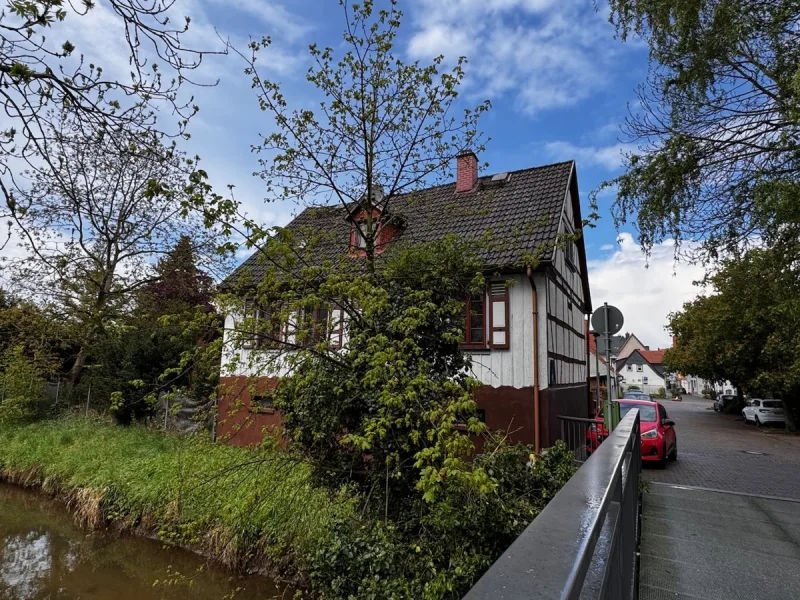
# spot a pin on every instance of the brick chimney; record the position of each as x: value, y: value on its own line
x: 466, y: 171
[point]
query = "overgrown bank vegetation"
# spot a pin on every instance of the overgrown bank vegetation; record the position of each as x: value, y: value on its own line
x: 247, y: 508
x: 259, y: 509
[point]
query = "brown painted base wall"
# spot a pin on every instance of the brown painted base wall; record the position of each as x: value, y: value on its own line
x: 238, y: 423
x: 507, y: 408
x: 565, y: 401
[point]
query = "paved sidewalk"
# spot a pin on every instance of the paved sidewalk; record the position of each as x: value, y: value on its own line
x: 714, y: 545
x: 717, y: 546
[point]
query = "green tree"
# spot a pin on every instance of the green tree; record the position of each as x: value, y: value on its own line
x: 746, y: 331
x: 168, y: 345
x: 93, y: 219
x: 383, y: 128
x: 43, y: 74
x: 23, y: 387
x: 719, y: 119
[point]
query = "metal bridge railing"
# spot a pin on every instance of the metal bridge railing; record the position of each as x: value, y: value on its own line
x: 574, y: 432
x: 583, y: 544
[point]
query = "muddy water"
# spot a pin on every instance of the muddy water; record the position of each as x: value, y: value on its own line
x: 43, y: 555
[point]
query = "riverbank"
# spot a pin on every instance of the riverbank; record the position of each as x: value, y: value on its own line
x: 45, y: 556
x: 250, y: 510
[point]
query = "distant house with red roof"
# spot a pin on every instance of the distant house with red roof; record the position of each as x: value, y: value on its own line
x: 643, y: 368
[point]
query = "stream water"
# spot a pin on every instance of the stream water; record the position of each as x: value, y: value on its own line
x: 44, y: 555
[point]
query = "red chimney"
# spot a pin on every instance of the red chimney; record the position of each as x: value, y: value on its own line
x: 466, y: 171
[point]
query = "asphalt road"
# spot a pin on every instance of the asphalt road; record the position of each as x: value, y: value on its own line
x: 713, y: 526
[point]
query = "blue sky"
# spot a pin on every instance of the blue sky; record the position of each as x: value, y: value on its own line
x: 559, y: 82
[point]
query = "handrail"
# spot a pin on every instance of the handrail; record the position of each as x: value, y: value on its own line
x: 583, y: 544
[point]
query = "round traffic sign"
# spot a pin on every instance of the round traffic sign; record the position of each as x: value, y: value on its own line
x: 615, y: 319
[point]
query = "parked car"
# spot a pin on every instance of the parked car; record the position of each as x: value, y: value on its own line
x: 763, y: 411
x: 659, y: 440
x: 723, y: 400
x: 636, y: 395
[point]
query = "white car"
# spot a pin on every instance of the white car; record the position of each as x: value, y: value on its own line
x: 763, y: 411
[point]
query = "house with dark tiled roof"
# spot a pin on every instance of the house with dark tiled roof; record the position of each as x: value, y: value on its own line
x: 631, y: 343
x: 527, y: 340
x: 643, y: 368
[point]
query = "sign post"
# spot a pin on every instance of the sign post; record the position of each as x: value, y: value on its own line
x: 609, y: 321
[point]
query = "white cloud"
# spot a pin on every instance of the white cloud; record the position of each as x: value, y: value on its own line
x: 609, y: 157
x: 546, y: 53
x: 281, y: 22
x: 606, y: 247
x: 646, y: 291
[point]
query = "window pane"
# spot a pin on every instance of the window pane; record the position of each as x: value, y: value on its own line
x: 477, y: 336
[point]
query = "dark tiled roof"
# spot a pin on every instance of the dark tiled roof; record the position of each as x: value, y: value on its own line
x: 518, y: 217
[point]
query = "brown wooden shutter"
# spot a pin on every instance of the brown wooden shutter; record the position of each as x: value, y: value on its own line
x: 249, y: 339
x: 499, y: 331
x: 337, y: 327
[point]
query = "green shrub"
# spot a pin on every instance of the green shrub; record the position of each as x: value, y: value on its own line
x: 634, y: 387
x: 439, y: 550
x: 23, y: 395
x: 661, y: 393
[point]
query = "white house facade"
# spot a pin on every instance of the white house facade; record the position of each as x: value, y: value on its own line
x: 525, y: 333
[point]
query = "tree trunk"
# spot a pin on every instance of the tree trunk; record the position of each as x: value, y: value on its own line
x: 75, y: 372
x: 740, y: 395
x: 788, y: 411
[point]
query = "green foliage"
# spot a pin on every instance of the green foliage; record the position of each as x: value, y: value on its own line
x: 661, y: 393
x: 388, y: 404
x: 746, y: 332
x: 719, y: 119
x: 634, y: 387
x: 23, y: 388
x: 168, y: 344
x: 459, y: 536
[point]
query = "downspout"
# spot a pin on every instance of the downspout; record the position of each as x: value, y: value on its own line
x: 537, y: 443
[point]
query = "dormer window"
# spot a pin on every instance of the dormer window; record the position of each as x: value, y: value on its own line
x: 359, y: 241
x: 384, y: 230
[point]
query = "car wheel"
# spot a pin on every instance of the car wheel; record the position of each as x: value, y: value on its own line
x: 673, y: 456
x: 758, y: 422
x: 744, y: 416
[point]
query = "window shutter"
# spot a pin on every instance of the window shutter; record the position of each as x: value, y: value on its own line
x: 499, y: 337
x: 249, y: 339
x: 337, y: 327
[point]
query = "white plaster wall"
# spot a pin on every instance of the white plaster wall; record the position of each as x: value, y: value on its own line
x: 252, y: 362
x: 634, y: 377
x: 512, y: 367
x: 541, y: 289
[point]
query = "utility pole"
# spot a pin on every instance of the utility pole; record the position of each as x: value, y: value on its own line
x: 607, y: 412
x: 597, y: 404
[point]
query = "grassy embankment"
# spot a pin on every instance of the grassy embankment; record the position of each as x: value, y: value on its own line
x: 248, y: 509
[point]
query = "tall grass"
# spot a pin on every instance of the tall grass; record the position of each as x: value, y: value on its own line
x: 247, y: 508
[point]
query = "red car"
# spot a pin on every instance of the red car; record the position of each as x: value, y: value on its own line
x: 659, y: 442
